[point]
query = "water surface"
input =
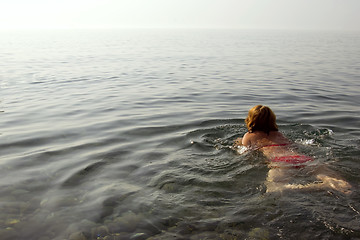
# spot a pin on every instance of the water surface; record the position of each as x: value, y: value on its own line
x: 125, y: 134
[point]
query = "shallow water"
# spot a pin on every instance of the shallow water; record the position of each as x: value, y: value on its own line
x: 126, y: 134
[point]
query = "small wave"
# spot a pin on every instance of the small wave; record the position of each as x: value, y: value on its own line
x: 83, y: 174
x: 305, y: 141
x: 242, y: 149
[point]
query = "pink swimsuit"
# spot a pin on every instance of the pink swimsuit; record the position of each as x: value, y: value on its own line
x: 294, y: 159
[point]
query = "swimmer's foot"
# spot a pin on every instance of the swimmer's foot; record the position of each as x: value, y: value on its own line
x: 334, y: 183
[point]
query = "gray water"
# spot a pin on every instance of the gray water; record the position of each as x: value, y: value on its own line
x: 126, y: 134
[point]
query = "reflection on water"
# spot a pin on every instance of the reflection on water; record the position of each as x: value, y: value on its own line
x: 128, y: 135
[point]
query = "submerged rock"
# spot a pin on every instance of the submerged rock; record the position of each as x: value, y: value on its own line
x: 170, y: 187
x: 99, y: 232
x: 259, y: 234
x: 127, y: 222
x: 12, y: 221
x: 138, y: 236
x: 78, y: 236
x: 9, y: 233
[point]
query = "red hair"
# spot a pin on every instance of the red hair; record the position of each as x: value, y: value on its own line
x: 261, y: 118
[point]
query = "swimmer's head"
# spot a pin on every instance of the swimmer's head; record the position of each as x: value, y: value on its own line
x: 261, y: 118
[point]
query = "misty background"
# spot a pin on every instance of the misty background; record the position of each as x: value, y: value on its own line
x: 245, y: 14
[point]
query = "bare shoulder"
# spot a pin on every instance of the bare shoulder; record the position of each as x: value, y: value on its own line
x: 249, y: 139
x: 277, y: 134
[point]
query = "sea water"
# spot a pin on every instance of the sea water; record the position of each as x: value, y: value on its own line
x: 127, y: 134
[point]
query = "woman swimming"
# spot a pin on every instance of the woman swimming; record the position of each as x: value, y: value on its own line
x: 263, y: 135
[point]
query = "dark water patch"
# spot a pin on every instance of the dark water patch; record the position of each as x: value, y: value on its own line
x: 37, y: 82
x: 82, y: 175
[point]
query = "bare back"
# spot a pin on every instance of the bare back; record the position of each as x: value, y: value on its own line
x: 272, y: 144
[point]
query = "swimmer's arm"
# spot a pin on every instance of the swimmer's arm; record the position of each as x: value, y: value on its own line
x: 237, y: 142
x: 246, y: 140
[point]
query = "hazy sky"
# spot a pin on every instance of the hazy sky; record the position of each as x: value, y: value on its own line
x: 259, y: 14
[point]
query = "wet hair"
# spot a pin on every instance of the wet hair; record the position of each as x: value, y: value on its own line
x: 261, y: 118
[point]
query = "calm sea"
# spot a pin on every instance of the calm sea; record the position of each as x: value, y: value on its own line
x: 125, y: 134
